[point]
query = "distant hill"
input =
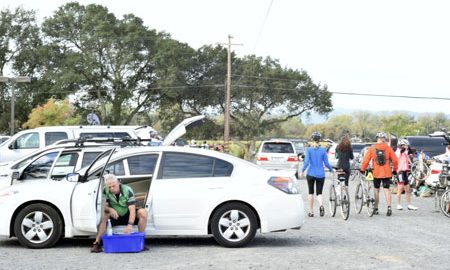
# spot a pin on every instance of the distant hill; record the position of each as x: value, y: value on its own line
x: 315, y: 118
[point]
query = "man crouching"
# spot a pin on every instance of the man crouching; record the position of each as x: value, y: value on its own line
x: 120, y: 208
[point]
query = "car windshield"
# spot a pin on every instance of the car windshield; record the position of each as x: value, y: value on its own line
x: 277, y: 147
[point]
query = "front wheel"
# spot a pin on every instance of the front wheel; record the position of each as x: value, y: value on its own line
x: 332, y: 201
x: 233, y: 225
x: 445, y: 203
x: 38, y: 226
x: 345, y: 203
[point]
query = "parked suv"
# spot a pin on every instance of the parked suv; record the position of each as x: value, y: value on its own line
x: 277, y: 155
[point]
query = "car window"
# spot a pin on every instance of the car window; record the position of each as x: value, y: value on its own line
x: 143, y: 164
x: 26, y: 141
x: 40, y: 168
x: 88, y: 157
x: 52, y: 137
x: 183, y: 165
x: 65, y: 164
x: 222, y: 168
x: 277, y: 147
x: 116, y: 168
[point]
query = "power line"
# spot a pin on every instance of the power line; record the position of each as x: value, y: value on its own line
x: 383, y: 95
x: 262, y: 26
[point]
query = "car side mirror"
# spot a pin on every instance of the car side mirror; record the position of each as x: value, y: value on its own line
x: 72, y: 177
x: 15, y: 175
x: 12, y: 145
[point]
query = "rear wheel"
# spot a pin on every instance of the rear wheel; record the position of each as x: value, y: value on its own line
x: 234, y: 225
x: 345, y: 203
x: 445, y: 203
x: 38, y: 226
x: 359, y: 198
x: 332, y: 201
x: 370, y: 200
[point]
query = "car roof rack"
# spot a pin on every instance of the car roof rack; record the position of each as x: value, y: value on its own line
x: 125, y: 141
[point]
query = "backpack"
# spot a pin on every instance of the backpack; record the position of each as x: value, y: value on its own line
x: 380, y: 157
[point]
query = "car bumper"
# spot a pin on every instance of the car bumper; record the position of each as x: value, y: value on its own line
x: 279, y: 166
x: 286, y: 212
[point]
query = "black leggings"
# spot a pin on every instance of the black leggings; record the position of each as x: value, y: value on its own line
x: 319, y: 184
x: 347, y: 176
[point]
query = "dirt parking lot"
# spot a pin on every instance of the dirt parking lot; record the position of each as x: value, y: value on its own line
x: 406, y: 240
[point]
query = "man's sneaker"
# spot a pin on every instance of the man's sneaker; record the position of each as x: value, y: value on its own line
x: 322, y: 211
x: 399, y: 207
x: 375, y: 211
x: 412, y: 207
x: 96, y: 248
x: 389, y: 211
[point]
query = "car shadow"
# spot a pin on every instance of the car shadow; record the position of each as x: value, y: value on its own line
x: 267, y: 240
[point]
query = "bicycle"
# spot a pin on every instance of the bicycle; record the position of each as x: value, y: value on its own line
x: 364, y: 195
x: 339, y: 195
x: 443, y: 190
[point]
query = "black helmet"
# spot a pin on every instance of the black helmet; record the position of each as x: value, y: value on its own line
x: 315, y: 136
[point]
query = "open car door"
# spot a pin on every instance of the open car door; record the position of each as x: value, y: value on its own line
x: 86, y: 203
x: 181, y: 128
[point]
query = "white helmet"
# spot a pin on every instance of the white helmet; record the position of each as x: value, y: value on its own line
x: 403, y: 142
x: 381, y: 135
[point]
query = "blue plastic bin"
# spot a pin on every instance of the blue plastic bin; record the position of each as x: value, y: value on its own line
x: 117, y: 243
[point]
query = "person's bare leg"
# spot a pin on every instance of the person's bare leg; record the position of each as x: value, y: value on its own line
x: 377, y: 197
x: 142, y: 216
x: 387, y: 194
x: 320, y: 199
x: 399, y: 194
x: 102, y: 227
x: 311, y: 203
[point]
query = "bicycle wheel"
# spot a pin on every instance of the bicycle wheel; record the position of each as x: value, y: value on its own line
x: 370, y: 203
x: 332, y: 201
x: 420, y: 171
x: 345, y: 203
x: 445, y: 203
x: 359, y: 199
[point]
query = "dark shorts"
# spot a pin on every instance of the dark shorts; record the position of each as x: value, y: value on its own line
x: 403, y: 178
x: 123, y: 220
x: 319, y: 184
x: 386, y: 182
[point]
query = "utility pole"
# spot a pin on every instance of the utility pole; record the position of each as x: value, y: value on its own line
x: 19, y: 79
x: 226, y: 118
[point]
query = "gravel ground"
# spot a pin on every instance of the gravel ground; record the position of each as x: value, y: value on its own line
x: 406, y: 240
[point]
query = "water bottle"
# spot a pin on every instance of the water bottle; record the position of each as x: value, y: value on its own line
x: 109, y: 228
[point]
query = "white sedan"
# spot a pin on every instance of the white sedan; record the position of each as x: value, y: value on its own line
x: 186, y: 191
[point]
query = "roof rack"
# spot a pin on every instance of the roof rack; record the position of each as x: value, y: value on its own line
x: 125, y: 141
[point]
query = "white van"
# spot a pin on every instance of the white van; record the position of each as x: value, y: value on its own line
x: 28, y: 141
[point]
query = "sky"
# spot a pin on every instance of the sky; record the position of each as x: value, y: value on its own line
x: 381, y: 47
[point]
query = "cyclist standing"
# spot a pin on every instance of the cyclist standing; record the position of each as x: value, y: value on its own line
x: 344, y: 153
x: 315, y: 159
x: 403, y: 174
x: 381, y: 155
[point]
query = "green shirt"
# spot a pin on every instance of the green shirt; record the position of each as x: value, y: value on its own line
x: 126, y: 198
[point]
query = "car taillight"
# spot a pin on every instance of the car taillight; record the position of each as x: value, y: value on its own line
x: 435, y: 171
x: 293, y: 158
x: 262, y: 158
x: 285, y: 184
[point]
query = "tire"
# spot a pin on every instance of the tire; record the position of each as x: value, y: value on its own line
x: 370, y: 200
x: 359, y: 198
x: 234, y: 225
x: 38, y: 226
x: 345, y: 203
x: 445, y: 203
x: 332, y: 201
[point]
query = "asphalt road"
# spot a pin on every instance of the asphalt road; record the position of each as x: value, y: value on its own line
x: 406, y: 240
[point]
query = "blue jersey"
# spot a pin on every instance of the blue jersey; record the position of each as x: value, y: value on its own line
x: 314, y: 160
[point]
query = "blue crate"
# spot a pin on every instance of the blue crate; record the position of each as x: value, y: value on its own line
x: 118, y: 243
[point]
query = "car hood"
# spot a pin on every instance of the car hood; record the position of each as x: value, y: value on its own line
x: 180, y: 129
